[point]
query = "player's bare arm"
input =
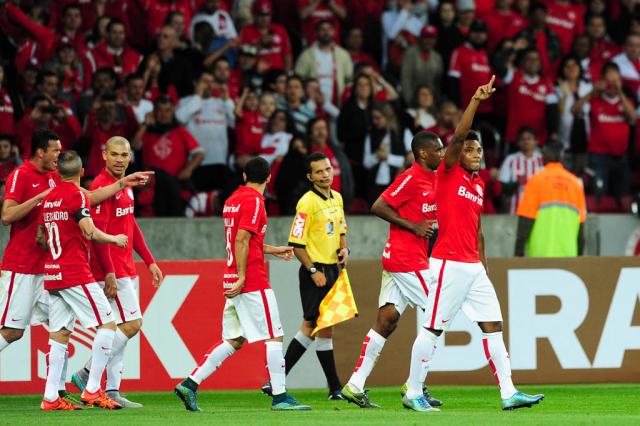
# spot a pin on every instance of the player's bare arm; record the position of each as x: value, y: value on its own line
x: 452, y: 155
x: 241, y: 250
x: 41, y: 237
x: 140, y: 247
x: 13, y: 212
x: 483, y: 258
x: 92, y: 233
x: 384, y: 211
x: 318, y: 277
x: 281, y: 252
x: 134, y: 179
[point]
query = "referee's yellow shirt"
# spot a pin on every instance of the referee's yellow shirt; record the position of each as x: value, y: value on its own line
x: 318, y: 225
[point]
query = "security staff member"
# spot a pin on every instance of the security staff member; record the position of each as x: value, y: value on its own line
x: 318, y: 235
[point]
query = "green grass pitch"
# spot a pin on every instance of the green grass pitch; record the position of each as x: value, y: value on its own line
x: 477, y: 405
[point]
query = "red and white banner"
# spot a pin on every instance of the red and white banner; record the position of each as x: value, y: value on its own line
x: 182, y: 320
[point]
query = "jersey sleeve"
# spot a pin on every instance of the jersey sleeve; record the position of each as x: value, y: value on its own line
x: 79, y: 206
x: 191, y: 143
x: 250, y: 215
x: 400, y: 191
x: 301, y: 223
x: 15, y: 186
x: 102, y: 212
x: 529, y: 204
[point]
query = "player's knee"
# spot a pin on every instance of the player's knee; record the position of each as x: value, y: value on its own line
x: 12, y: 334
x: 109, y: 326
x: 131, y: 328
x: 491, y: 327
x: 387, y: 321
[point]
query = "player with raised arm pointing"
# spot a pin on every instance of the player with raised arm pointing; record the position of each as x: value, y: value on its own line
x: 458, y: 261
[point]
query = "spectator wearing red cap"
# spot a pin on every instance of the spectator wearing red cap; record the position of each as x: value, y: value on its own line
x: 469, y: 67
x: 532, y: 100
x: 327, y: 62
x: 274, y: 47
x: 566, y: 19
x: 422, y: 65
x: 113, y: 52
x: 312, y: 12
x: 400, y: 27
x: 503, y: 23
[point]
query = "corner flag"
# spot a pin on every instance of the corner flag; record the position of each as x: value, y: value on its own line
x: 338, y: 305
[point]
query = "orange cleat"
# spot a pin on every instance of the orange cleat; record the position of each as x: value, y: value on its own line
x: 59, y: 404
x: 99, y: 399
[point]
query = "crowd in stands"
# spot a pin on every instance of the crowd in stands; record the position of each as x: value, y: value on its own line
x: 199, y: 87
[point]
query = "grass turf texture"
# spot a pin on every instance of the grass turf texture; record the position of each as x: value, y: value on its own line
x: 477, y: 405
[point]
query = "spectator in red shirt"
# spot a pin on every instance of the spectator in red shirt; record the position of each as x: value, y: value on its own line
x: 172, y: 152
x: 314, y: 11
x: 447, y: 119
x: 469, y: 67
x: 68, y: 67
x: 48, y: 84
x: 610, y: 118
x: 503, y: 23
x: 544, y: 39
x: 532, y: 101
x: 156, y: 11
x: 274, y: 47
x: 250, y: 124
x: 71, y: 32
x: 9, y: 158
x: 104, y: 81
x: 602, y: 48
x: 566, y: 19
x: 222, y: 80
x: 6, y: 106
x: 353, y: 43
x: 113, y: 53
x: 99, y: 31
x: 102, y: 124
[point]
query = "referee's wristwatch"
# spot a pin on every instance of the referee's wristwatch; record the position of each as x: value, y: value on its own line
x: 313, y: 270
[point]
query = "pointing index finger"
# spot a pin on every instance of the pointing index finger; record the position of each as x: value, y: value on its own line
x: 493, y: 78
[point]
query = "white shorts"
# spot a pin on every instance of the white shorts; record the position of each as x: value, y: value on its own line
x: 126, y: 304
x: 23, y: 300
x: 405, y: 288
x: 85, y: 303
x: 463, y: 286
x: 253, y: 315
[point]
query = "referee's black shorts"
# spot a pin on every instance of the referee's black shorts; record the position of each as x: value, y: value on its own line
x: 312, y: 295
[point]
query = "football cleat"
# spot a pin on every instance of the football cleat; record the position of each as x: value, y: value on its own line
x: 286, y: 402
x: 266, y: 388
x: 120, y: 399
x: 521, y: 400
x: 434, y: 402
x: 361, y: 399
x: 99, y: 399
x: 70, y: 398
x: 80, y: 379
x: 59, y: 404
x: 336, y: 395
x: 189, y: 397
x: 418, y: 404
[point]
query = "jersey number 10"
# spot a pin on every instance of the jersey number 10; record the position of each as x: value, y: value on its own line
x: 54, y: 239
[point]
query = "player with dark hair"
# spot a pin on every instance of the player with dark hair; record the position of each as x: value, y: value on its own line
x: 458, y: 261
x: 251, y: 311
x: 408, y: 204
x: 318, y: 238
x: 64, y: 227
x: 114, y: 268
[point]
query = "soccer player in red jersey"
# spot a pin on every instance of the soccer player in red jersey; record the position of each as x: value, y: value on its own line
x: 114, y: 268
x: 408, y: 204
x: 251, y: 310
x: 64, y: 227
x: 459, y: 263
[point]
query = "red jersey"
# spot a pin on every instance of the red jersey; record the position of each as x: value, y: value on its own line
x: 609, y: 126
x: 117, y: 213
x: 322, y: 12
x: 459, y: 196
x: 67, y: 263
x: 412, y: 195
x: 337, y: 175
x: 6, y: 112
x: 566, y: 20
x: 249, y: 132
x: 169, y: 151
x: 244, y: 209
x: 602, y: 51
x: 275, y: 52
x: 501, y: 26
x: 124, y: 63
x: 446, y: 135
x: 527, y: 99
x: 22, y: 254
x: 471, y: 68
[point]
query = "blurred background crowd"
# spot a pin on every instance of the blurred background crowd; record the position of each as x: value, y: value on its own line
x: 199, y: 87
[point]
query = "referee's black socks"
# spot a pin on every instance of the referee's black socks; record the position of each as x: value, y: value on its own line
x: 324, y: 351
x: 296, y: 349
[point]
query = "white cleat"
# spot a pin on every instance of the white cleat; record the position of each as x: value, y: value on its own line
x: 124, y: 402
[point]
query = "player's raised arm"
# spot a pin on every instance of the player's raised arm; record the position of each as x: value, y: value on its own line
x: 384, y: 211
x: 134, y: 179
x: 454, y: 149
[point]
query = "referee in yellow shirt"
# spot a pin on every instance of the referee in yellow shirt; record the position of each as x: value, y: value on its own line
x: 318, y: 237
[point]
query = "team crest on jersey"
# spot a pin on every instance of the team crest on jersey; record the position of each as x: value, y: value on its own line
x: 130, y: 193
x: 52, y: 183
x: 479, y: 189
x: 297, y: 231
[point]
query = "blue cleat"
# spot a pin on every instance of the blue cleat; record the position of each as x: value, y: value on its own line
x: 189, y: 397
x: 521, y: 400
x: 79, y: 379
x: 286, y: 402
x: 418, y: 404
